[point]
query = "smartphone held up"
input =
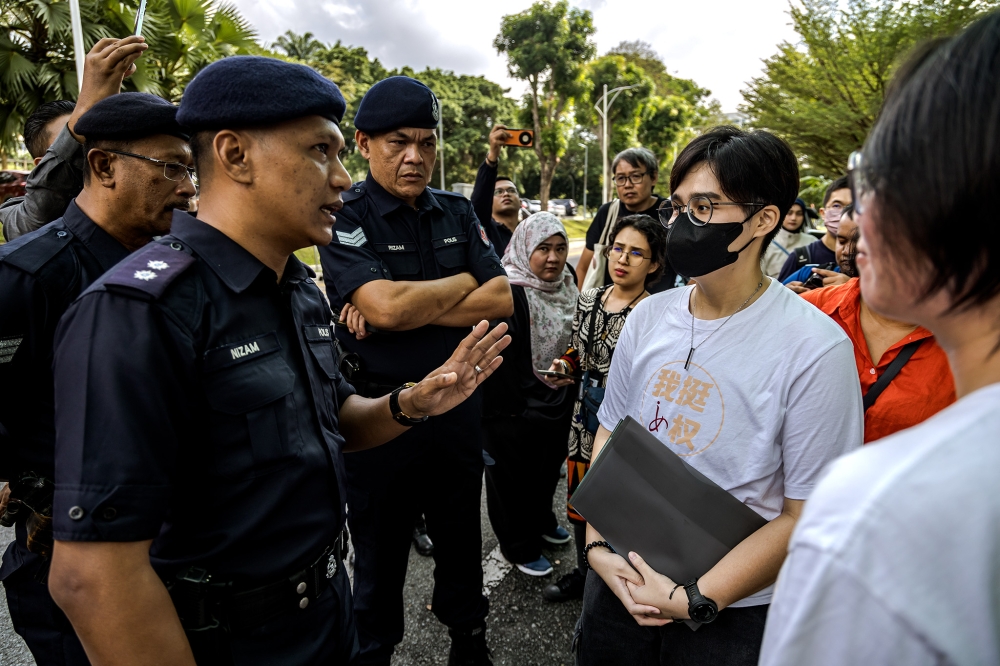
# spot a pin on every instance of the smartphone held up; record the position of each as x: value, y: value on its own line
x: 520, y: 138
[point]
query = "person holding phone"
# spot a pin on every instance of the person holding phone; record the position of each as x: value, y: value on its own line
x: 816, y: 276
x: 635, y: 258
x: 526, y: 410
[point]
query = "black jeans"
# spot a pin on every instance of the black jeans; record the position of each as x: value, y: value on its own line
x: 522, y: 482
x: 611, y: 636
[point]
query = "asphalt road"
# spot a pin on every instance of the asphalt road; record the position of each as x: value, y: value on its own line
x: 523, y: 629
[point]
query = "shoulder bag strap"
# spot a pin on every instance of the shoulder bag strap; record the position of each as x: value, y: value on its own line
x: 781, y: 247
x: 591, y: 334
x: 610, y: 222
x: 890, y: 373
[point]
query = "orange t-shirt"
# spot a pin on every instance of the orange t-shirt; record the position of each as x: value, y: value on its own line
x: 923, y: 387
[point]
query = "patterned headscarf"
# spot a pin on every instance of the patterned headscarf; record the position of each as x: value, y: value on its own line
x: 551, y: 304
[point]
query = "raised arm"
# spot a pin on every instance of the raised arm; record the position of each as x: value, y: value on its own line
x: 117, y: 604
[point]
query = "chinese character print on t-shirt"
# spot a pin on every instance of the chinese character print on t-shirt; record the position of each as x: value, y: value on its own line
x: 683, y: 407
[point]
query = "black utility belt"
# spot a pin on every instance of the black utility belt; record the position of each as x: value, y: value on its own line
x: 204, y: 603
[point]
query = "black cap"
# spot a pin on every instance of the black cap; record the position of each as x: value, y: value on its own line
x: 129, y: 115
x: 250, y: 91
x: 398, y: 101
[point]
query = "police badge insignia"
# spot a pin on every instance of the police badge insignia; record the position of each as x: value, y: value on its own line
x: 435, y: 108
x: 482, y: 234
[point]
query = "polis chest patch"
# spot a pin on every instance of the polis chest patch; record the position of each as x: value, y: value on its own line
x: 8, y: 347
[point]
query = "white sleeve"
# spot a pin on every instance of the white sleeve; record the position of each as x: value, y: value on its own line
x: 824, y: 419
x: 615, y: 405
x: 821, y: 615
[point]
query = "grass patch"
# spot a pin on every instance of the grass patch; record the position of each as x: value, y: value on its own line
x: 577, y: 229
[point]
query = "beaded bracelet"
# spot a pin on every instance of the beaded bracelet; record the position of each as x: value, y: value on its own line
x: 592, y: 545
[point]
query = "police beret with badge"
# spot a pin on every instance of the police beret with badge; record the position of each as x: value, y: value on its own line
x: 129, y: 115
x: 253, y: 91
x: 398, y: 101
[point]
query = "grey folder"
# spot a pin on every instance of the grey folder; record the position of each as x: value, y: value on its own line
x: 642, y: 497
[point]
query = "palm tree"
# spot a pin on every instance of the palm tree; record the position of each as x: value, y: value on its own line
x: 301, y: 47
x: 36, y: 49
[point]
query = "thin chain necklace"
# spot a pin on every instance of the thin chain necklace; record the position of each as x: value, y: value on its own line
x: 687, y: 363
x: 608, y: 315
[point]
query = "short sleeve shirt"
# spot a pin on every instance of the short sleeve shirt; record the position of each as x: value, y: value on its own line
x: 767, y: 401
x: 40, y: 275
x: 379, y: 237
x: 199, y: 407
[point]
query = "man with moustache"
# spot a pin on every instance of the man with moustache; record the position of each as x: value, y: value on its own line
x: 410, y: 269
x: 138, y: 169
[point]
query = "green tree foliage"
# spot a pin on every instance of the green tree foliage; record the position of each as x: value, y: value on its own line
x: 823, y: 94
x: 547, y: 46
x: 301, y: 47
x: 37, y: 62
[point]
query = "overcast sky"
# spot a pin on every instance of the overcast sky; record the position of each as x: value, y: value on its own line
x: 718, y: 43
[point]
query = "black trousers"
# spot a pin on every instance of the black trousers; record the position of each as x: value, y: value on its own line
x: 520, y: 486
x: 36, y: 617
x: 435, y: 468
x: 320, y: 635
x: 610, y: 636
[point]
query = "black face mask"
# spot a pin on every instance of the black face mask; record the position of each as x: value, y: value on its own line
x: 694, y: 251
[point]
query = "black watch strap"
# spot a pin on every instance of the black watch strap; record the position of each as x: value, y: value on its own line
x: 397, y: 413
x: 701, y: 609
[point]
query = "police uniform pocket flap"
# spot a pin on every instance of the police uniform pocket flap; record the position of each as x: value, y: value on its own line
x: 322, y: 349
x: 448, y: 241
x: 242, y: 387
x: 450, y: 250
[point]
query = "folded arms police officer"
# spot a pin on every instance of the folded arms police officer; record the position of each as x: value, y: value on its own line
x: 125, y: 202
x: 202, y: 417
x: 415, y: 265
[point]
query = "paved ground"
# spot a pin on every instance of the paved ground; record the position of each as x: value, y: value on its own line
x: 524, y: 630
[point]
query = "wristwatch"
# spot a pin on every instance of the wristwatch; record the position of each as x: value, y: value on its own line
x: 397, y: 413
x: 701, y: 609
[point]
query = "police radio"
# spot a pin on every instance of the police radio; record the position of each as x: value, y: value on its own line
x: 520, y: 138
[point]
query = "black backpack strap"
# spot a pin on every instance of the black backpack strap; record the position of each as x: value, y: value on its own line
x: 890, y: 373
x: 801, y: 256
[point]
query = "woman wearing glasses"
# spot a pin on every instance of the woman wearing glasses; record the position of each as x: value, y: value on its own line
x: 634, y: 172
x: 635, y: 261
x: 750, y: 385
x: 897, y: 557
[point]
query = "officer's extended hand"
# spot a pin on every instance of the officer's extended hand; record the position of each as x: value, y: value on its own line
x: 455, y: 381
x: 109, y: 63
x: 355, y: 321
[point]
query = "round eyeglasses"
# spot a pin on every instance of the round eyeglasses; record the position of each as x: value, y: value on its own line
x: 634, y: 178
x: 174, y: 171
x: 699, y: 210
x: 614, y: 254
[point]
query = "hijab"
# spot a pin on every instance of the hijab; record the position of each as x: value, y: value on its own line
x: 550, y: 304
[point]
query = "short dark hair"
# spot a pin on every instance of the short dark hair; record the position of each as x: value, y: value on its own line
x: 839, y: 184
x: 752, y: 166
x: 638, y: 158
x: 36, y: 139
x: 655, y: 235
x: 499, y: 178
x: 933, y: 160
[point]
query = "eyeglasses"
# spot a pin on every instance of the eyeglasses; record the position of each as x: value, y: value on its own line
x: 861, y: 189
x: 634, y: 178
x: 833, y: 212
x: 632, y: 257
x: 174, y: 171
x: 699, y: 210
x: 500, y: 191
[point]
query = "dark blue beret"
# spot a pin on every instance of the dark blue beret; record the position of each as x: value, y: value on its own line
x: 129, y: 115
x: 398, y: 101
x: 251, y: 91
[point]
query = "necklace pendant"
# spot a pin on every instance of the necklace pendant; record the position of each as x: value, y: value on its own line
x: 687, y: 363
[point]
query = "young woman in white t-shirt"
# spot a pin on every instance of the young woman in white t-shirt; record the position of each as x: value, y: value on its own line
x: 748, y: 383
x: 897, y: 557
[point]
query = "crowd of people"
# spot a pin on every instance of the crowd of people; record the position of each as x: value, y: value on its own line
x: 193, y: 430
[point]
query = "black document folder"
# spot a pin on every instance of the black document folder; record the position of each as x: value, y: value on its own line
x: 643, y: 497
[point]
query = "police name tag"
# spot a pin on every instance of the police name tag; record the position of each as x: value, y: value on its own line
x: 238, y: 352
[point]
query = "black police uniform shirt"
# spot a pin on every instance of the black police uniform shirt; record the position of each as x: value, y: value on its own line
x: 379, y: 237
x: 41, y: 273
x: 198, y: 407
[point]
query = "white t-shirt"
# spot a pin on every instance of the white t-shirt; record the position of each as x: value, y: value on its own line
x: 896, y: 559
x: 768, y: 401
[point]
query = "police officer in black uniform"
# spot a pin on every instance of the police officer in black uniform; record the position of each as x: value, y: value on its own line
x: 126, y: 201
x: 415, y: 265
x: 201, y: 414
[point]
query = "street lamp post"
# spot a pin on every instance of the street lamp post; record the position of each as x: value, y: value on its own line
x: 604, y: 138
x: 586, y: 172
x: 441, y: 147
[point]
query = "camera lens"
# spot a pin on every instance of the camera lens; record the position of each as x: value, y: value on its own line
x: 524, y: 138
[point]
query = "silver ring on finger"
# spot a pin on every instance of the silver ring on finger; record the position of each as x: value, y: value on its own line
x: 478, y: 370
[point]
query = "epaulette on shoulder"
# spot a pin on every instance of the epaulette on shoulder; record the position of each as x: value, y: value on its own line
x: 355, y: 191
x: 37, y: 250
x: 150, y: 271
